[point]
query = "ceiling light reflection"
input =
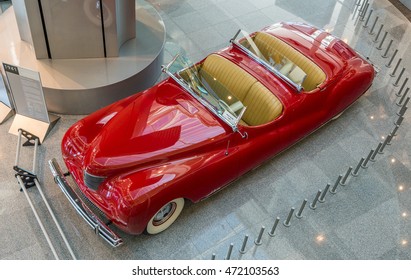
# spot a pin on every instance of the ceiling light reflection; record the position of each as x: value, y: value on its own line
x: 320, y: 238
x: 400, y: 188
x: 404, y: 214
x: 404, y: 242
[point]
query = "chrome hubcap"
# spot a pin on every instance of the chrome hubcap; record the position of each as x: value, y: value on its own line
x: 164, y: 214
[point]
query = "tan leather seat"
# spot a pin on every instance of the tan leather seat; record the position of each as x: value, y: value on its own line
x: 262, y: 105
x: 274, y: 48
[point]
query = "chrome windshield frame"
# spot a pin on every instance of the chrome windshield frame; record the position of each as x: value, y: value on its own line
x: 270, y: 68
x: 164, y: 69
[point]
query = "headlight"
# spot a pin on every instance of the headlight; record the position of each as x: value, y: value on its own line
x: 92, y: 181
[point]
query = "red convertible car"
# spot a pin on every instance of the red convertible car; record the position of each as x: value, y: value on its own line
x: 136, y: 161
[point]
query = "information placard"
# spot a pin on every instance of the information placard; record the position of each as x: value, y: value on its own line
x: 27, y: 95
x: 27, y: 92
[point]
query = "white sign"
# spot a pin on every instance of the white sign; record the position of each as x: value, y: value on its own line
x: 27, y: 92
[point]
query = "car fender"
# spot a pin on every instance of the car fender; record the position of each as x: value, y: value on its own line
x: 139, y: 194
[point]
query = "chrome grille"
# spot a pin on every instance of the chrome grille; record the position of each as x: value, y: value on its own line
x: 100, y: 214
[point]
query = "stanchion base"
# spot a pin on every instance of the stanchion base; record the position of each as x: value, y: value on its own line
x: 286, y: 225
x: 298, y: 216
x: 258, y: 243
x: 313, y: 207
x: 26, y: 177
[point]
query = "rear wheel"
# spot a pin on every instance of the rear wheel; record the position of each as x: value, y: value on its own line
x: 166, y: 216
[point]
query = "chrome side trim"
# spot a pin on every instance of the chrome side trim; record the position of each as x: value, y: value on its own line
x: 97, y: 225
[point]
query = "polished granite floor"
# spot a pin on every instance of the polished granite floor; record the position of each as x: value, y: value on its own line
x: 368, y: 218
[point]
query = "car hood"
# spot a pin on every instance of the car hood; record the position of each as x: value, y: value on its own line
x: 158, y: 125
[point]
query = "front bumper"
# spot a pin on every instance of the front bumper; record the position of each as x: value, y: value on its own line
x: 92, y: 219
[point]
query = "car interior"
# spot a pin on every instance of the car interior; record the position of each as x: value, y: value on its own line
x: 287, y: 60
x: 223, y: 75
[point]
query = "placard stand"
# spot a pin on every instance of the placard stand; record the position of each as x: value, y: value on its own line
x: 40, y: 128
x: 28, y: 98
x: 5, y: 112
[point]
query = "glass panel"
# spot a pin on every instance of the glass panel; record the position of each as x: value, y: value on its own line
x: 265, y: 52
x: 208, y: 90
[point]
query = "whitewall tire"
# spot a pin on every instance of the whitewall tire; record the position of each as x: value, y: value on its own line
x: 165, y: 217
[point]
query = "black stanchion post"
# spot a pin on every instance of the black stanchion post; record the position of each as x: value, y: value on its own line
x: 362, y: 7
x: 290, y: 215
x: 394, y: 131
x: 396, y: 67
x: 242, y: 250
x: 399, y: 77
x: 344, y: 180
x: 385, y: 55
x: 272, y: 232
x: 213, y: 256
x: 364, y: 12
x: 334, y: 189
x: 357, y: 169
x: 364, y: 165
x: 404, y: 108
x: 402, y: 87
x: 260, y: 235
x: 392, y: 58
x: 389, y: 139
x: 356, y: 9
x: 405, y: 95
x: 406, y: 101
x: 313, y: 204
x: 382, y: 41
x: 399, y: 121
x: 230, y: 250
x: 299, y: 214
x: 375, y: 152
x: 378, y: 33
x: 373, y: 26
x: 368, y: 19
x: 385, y: 144
x: 322, y: 197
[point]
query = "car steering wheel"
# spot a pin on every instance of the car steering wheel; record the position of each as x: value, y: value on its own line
x: 226, y: 107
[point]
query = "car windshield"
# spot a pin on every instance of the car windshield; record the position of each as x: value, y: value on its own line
x: 274, y: 54
x: 206, y: 89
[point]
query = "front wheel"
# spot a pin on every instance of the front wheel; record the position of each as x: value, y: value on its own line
x: 166, y: 216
